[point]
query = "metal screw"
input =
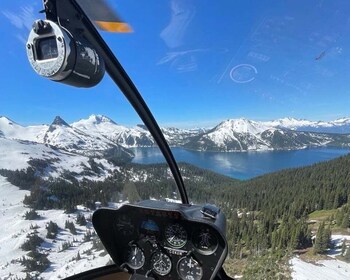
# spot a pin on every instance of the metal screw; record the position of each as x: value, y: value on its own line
x: 29, y: 46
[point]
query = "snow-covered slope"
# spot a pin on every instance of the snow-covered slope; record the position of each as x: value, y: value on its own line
x: 322, y: 270
x: 63, y: 262
x: 19, y: 154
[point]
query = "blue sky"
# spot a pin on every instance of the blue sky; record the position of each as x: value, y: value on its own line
x: 196, y: 63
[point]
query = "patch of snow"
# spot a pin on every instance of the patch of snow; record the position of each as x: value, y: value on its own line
x: 322, y: 270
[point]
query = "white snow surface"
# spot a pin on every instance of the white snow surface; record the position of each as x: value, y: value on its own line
x: 330, y: 269
x: 322, y: 270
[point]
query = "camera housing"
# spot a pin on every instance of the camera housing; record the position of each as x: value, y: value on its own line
x: 58, y: 55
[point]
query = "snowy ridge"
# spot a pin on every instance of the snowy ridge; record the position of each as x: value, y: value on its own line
x: 341, y: 125
x: 98, y: 133
x: 12, y: 130
x: 101, y: 126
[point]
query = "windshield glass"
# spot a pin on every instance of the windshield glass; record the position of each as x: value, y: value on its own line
x: 241, y: 90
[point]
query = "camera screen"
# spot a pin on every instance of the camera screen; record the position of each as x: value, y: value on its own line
x: 46, y: 48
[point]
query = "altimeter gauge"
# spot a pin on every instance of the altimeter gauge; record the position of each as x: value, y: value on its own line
x: 161, y: 263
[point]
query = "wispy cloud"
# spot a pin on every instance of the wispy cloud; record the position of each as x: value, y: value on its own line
x: 22, y: 20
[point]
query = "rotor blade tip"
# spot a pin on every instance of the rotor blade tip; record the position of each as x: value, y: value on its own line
x: 117, y: 27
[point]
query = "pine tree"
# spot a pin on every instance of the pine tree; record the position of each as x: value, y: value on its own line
x: 322, y: 240
x: 81, y: 220
x: 52, y: 230
x: 343, y: 247
x: 347, y: 255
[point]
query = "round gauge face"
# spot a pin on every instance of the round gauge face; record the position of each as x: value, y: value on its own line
x: 176, y: 235
x: 135, y: 257
x: 189, y: 269
x: 205, y: 240
x: 161, y: 263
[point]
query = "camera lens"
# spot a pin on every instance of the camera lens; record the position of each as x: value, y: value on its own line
x: 46, y: 48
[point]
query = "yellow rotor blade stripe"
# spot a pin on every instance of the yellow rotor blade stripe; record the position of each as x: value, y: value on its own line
x: 120, y: 27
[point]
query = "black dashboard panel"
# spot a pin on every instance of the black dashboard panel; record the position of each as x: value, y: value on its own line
x: 163, y: 240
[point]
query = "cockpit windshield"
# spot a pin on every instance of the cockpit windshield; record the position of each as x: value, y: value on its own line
x: 253, y: 99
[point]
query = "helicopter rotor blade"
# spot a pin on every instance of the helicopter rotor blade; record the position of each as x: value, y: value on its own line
x: 103, y: 16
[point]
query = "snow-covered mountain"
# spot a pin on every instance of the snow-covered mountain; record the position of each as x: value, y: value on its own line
x: 11, y: 130
x: 63, y: 136
x: 137, y: 136
x: 246, y: 135
x: 341, y: 125
x: 104, y: 128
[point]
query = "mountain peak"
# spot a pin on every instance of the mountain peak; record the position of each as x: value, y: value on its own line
x: 241, y: 125
x: 59, y: 121
x: 7, y: 120
x: 97, y: 119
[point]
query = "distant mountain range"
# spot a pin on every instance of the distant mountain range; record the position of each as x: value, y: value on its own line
x: 337, y: 126
x: 102, y: 137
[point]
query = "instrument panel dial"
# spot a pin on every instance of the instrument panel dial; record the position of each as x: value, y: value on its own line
x: 135, y: 257
x: 176, y: 235
x: 161, y: 263
x: 205, y: 240
x: 189, y: 269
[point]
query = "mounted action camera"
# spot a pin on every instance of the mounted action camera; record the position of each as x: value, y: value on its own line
x: 56, y: 54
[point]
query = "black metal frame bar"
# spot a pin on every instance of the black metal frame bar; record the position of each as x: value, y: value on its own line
x: 70, y: 15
